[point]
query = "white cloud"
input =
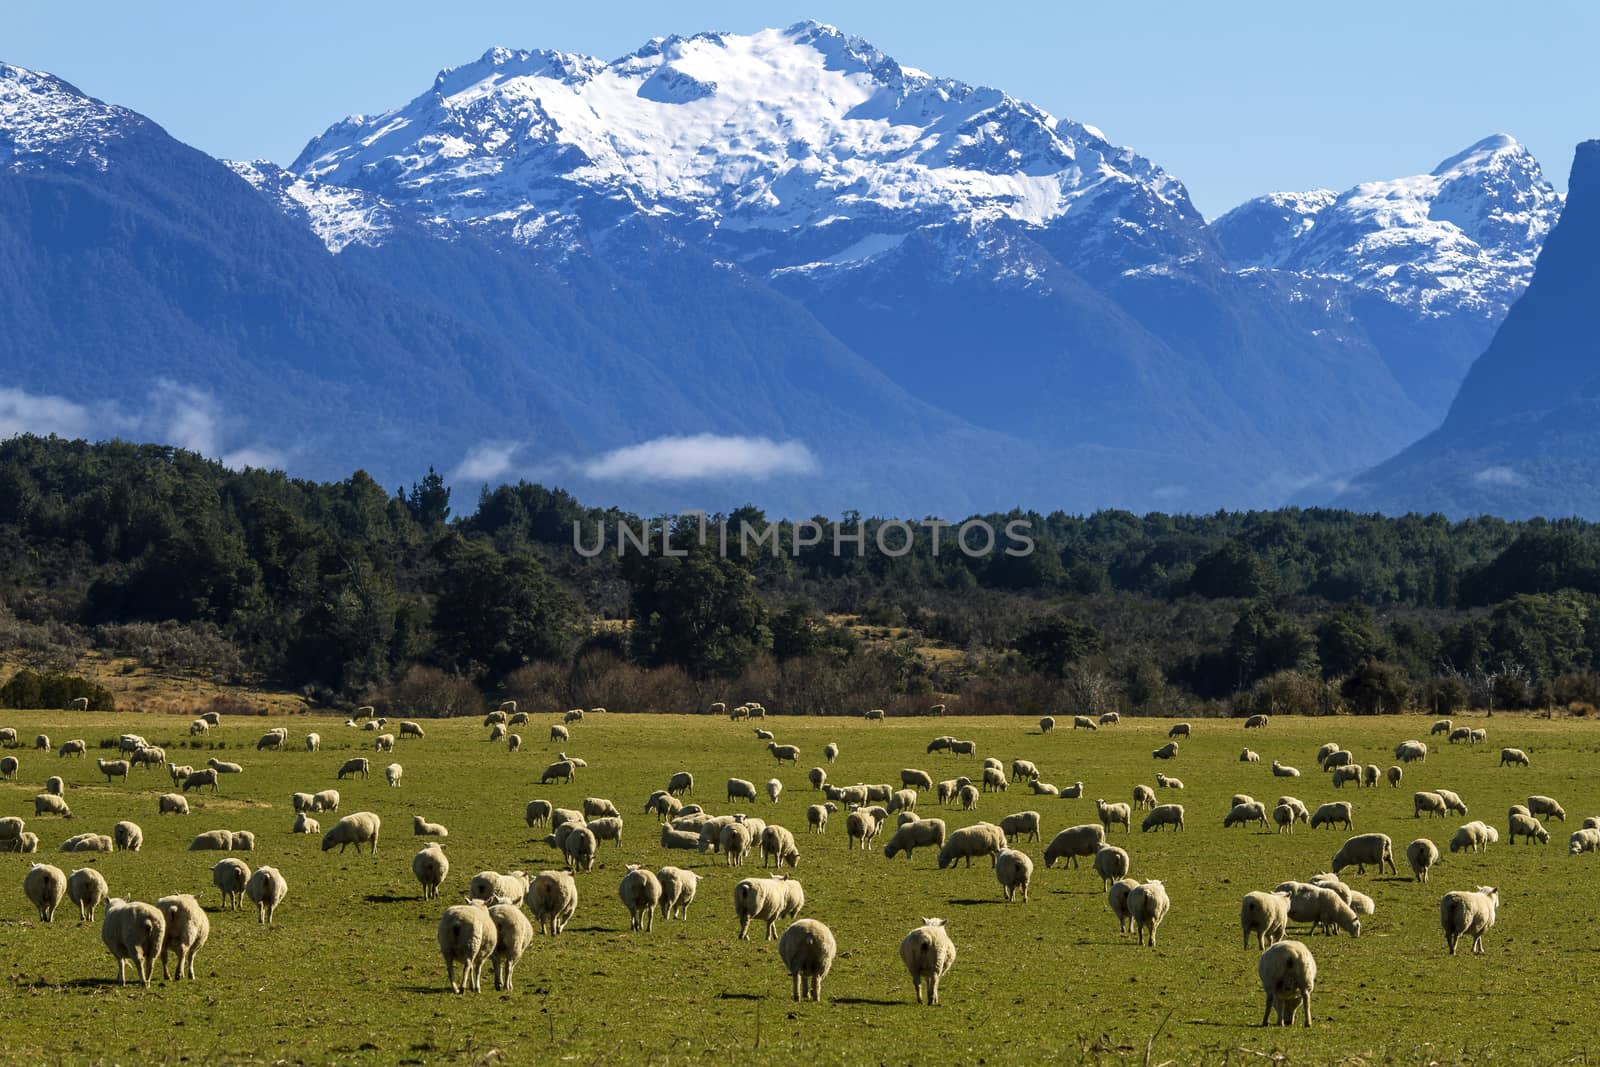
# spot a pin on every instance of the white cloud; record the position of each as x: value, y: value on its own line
x: 24, y: 412
x: 701, y: 456
x: 259, y: 458
x: 488, y: 461
x: 1497, y: 476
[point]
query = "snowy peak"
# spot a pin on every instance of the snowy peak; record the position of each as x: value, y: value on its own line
x: 43, y: 117
x: 1462, y: 237
x: 338, y: 217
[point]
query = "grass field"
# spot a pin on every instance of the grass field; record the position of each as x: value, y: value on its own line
x: 352, y: 973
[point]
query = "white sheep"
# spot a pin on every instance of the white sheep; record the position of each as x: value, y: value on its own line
x: 778, y: 845
x: 767, y: 899
x: 55, y: 786
x: 1166, y: 751
x: 133, y: 930
x: 1248, y: 812
x: 1143, y: 797
x: 774, y: 789
x: 968, y: 796
x: 579, y: 848
x: 86, y: 887
x: 358, y: 828
x: 1117, y: 900
x: 212, y: 841
x: 1023, y: 824
x: 1288, y: 976
x: 1422, y: 854
x: 1014, y: 871
x: 807, y: 949
x: 830, y: 751
x: 1452, y: 801
x: 1471, y: 837
x: 1281, y: 770
x: 1256, y: 722
x: 817, y: 816
x: 266, y: 889
x: 188, y: 929
x: 1111, y: 814
x: 1428, y: 801
x: 682, y: 839
x: 327, y: 800
x: 1334, y: 813
x: 1513, y: 756
x: 1526, y: 826
x: 922, y: 833
x: 1341, y: 775
x: 1163, y: 815
x: 1411, y: 752
x: 741, y: 789
x: 1043, y: 789
x: 734, y: 840
x: 1363, y: 849
x: 467, y: 935
x: 358, y: 765
x: 1147, y: 906
x: 50, y: 804
x: 1247, y: 756
x: 1164, y: 782
x: 1047, y: 724
x: 431, y: 866
x: 678, y: 887
x: 928, y: 954
x: 784, y: 753
x: 1541, y: 805
x: 200, y: 778
x: 1394, y: 774
x: 1321, y: 906
x: 979, y: 839
x: 513, y: 935
x: 1266, y: 915
x: 45, y: 885
x: 127, y: 836
x: 1073, y: 842
x: 1464, y: 913
x: 392, y: 773
x: 1111, y: 864
x: 640, y: 892
x: 313, y: 742
x: 231, y: 876
x: 75, y: 747
x: 553, y: 899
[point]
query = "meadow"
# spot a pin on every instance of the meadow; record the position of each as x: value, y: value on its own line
x: 351, y: 974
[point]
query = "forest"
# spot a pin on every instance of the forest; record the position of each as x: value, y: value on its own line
x: 349, y: 592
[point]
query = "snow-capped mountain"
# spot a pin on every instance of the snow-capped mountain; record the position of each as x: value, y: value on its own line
x: 337, y: 216
x: 44, y: 118
x: 1461, y: 238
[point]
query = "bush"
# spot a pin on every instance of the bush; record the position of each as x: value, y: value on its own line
x: 196, y: 647
x: 29, y: 689
x: 429, y: 693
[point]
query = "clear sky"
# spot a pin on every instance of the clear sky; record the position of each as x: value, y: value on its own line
x: 1235, y: 98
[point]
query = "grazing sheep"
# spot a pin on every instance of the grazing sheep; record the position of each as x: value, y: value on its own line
x: 538, y: 812
x: 489, y: 886
x: 55, y: 786
x: 392, y: 774
x: 968, y: 795
x: 41, y: 743
x: 1582, y: 840
x: 1370, y: 775
x: 467, y: 935
x: 134, y: 931
x: 1288, y: 976
x: 50, y: 804
x: 678, y: 887
x: 599, y: 807
x: 198, y: 779
x: 75, y: 747
x: 741, y: 789
x: 608, y: 828
x: 911, y: 778
x: 1266, y: 915
x: 1079, y: 722
x: 1166, y: 751
x: 553, y: 899
x: 212, y: 841
x: 777, y: 844
x: 1472, y: 837
x: 1464, y: 913
x: 1111, y: 863
x: 45, y: 885
x: 1047, y: 724
x: 1163, y: 815
x: 767, y: 899
x: 1255, y: 722
x: 928, y: 952
x: 116, y: 768
x: 830, y: 752
x: 1394, y: 775
x: 1411, y: 752
x: 1284, y: 816
x: 231, y: 876
x: 640, y: 892
x: 517, y: 718
x: 1253, y: 811
x: 1246, y: 756
x: 1014, y: 870
x: 1321, y: 906
x: 1147, y: 906
x: 1477, y: 736
x: 327, y: 800
x: 579, y: 848
x: 1075, y: 841
x: 188, y: 929
x: 127, y: 836
x: 9, y: 766
x: 1429, y: 802
x: 860, y: 827
x: 808, y: 949
x: 1181, y: 729
x: 1334, y: 813
x: 1363, y: 849
x: 1452, y: 801
x: 775, y: 789
x: 1111, y: 814
x: 313, y: 742
x: 1514, y: 756
x: 1441, y: 726
x: 1341, y: 775
x: 513, y: 935
x: 1337, y: 758
x: 421, y: 827
x: 664, y: 804
x: 1460, y: 733
x: 875, y: 715
x: 963, y: 748
x: 1422, y: 854
x: 817, y: 817
x: 817, y: 777
x: 1540, y: 805
x: 356, y: 829
x: 431, y: 867
x: 357, y: 766
x: 1143, y: 797
x: 921, y: 833
x: 784, y: 753
x: 266, y: 889
x: 1528, y: 827
x: 561, y: 770
x: 86, y: 887
x: 1110, y: 718
x: 979, y: 839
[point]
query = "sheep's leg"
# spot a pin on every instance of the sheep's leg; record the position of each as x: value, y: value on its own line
x: 795, y: 979
x: 1266, y: 1016
x: 1305, y: 1002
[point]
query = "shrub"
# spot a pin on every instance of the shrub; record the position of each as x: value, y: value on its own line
x: 29, y: 689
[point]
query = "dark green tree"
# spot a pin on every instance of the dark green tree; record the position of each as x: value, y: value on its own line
x: 494, y: 613
x: 1055, y: 643
x: 699, y: 611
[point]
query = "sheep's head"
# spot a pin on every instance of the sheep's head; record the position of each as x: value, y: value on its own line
x: 933, y: 922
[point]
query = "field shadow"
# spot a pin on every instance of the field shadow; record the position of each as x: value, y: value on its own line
x: 594, y: 930
x: 387, y: 898
x: 425, y: 989
x: 740, y: 996
x: 92, y: 983
x: 976, y: 903
x: 869, y: 1001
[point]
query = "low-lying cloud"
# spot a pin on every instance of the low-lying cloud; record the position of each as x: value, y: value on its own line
x: 699, y: 457
x: 1497, y: 476
x: 485, y: 463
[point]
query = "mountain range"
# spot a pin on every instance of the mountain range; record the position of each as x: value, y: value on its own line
x: 779, y: 267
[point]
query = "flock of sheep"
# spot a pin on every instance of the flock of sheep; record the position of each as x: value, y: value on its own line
x: 492, y: 924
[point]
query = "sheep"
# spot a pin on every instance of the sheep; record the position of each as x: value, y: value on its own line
x: 557, y: 733
x: 684, y: 839
x: 1477, y: 736
x: 775, y: 789
x: 561, y: 770
x: 1281, y: 770
x: 1321, y: 906
x: 9, y: 766
x: 116, y: 768
x: 517, y: 718
x: 356, y: 829
x: 1363, y: 849
x: 1014, y: 870
x: 1079, y: 722
x: 1256, y: 722
x: 1452, y: 801
x: 127, y: 836
x: 664, y: 804
x: 1163, y: 815
x: 875, y: 715
x: 1111, y: 814
x: 904, y: 800
x: 963, y: 748
x: 1143, y: 797
x: 1166, y: 751
x: 1541, y: 805
x: 75, y: 747
x: 45, y: 885
x: 1082, y: 840
x: 1247, y: 756
x: 1111, y: 863
x: 777, y: 844
x: 979, y: 839
x: 1147, y: 906
x: 212, y: 841
x: 392, y: 774
x: 199, y: 779
x: 860, y: 826
x: 489, y: 886
x: 358, y: 765
x: 579, y: 848
x: 1253, y: 811
x: 830, y: 751
x: 1021, y: 824
x: 55, y: 786
x: 807, y: 950
x: 498, y: 732
x: 553, y: 899
x: 783, y: 753
x: 326, y: 800
x: 223, y: 766
x: 767, y: 899
x: 1284, y: 816
x: 1394, y: 774
x: 50, y: 804
x: 968, y: 795
x: 1266, y: 915
x: 1047, y: 724
x: 763, y: 735
x: 607, y: 828
x: 678, y: 887
x: 1422, y: 854
x: 431, y: 867
x: 741, y: 789
x: 817, y: 817
x: 599, y: 807
x: 305, y: 824
x: 242, y: 841
x: 911, y: 778
x: 1514, y: 756
x: 1429, y: 802
x: 88, y: 843
x: 1472, y: 837
x: 817, y: 777
x: 1370, y: 775
x: 1411, y: 752
x: 1288, y: 976
x: 1592, y: 822
x: 1586, y: 839
x: 421, y: 827
x: 266, y: 889
x: 1301, y: 812
x: 1441, y: 726
x: 513, y: 935
x: 468, y: 936
x: 86, y: 887
x: 640, y: 892
x: 928, y: 952
x: 1043, y: 789
x: 313, y: 742
x: 1462, y: 913
x: 1460, y: 733
x: 187, y: 930
x: 1335, y: 812
x: 1181, y: 729
x: 134, y: 931
x: 1337, y: 758
x: 1530, y: 828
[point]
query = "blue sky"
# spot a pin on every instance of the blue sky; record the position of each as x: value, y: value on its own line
x: 1234, y: 98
